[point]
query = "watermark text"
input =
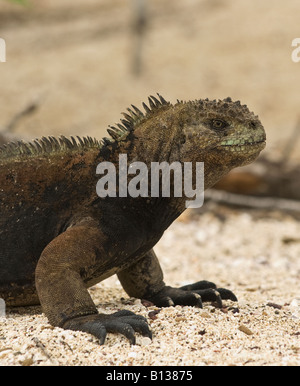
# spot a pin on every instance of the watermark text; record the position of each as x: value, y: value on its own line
x: 296, y: 51
x: 2, y: 308
x: 2, y: 50
x: 166, y: 180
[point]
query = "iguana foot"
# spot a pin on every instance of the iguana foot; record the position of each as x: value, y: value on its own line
x: 123, y: 322
x: 192, y: 295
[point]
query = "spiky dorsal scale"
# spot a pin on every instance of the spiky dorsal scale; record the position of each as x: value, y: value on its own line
x: 46, y: 146
x: 114, y: 132
x: 146, y: 108
x: 151, y: 103
x: 134, y: 116
x: 138, y: 112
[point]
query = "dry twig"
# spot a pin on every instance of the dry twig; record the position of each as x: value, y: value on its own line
x: 11, y: 125
x: 252, y: 202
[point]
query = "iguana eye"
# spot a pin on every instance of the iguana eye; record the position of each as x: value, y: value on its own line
x: 218, y: 124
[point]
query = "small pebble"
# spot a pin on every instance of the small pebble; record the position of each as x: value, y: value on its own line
x: 152, y: 314
x: 143, y: 341
x: 245, y: 330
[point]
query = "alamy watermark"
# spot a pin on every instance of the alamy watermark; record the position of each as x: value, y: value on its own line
x: 2, y: 308
x: 160, y: 177
x: 296, y: 51
x: 2, y: 50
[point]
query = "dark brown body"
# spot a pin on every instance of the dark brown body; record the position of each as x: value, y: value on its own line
x: 38, y: 197
x: 63, y: 195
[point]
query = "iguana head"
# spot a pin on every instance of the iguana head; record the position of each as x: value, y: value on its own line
x: 223, y: 131
x: 222, y: 134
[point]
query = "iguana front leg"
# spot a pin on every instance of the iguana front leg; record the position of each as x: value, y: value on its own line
x: 144, y: 280
x: 64, y: 264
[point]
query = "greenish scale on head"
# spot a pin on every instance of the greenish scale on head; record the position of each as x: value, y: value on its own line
x: 223, y: 127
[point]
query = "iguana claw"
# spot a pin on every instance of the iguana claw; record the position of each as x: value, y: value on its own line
x: 123, y: 322
x: 192, y: 295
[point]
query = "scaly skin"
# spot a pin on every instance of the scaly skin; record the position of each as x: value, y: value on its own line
x: 57, y: 237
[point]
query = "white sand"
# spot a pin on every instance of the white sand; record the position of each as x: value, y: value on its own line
x: 257, y: 258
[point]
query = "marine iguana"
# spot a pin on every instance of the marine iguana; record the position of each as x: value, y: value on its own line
x: 58, y: 237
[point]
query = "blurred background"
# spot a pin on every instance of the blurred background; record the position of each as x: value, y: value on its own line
x: 73, y: 66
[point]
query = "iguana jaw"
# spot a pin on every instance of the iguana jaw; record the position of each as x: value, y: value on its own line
x: 246, y: 146
x: 243, y: 149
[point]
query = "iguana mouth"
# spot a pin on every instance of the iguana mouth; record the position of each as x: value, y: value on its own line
x: 241, y: 145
